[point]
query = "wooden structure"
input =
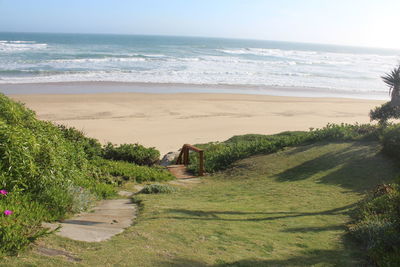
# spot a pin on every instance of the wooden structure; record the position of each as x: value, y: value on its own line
x: 183, y: 157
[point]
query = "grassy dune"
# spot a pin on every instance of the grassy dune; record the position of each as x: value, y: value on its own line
x: 287, y: 208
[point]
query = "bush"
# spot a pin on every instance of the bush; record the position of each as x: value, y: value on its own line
x: 157, y: 189
x: 377, y: 225
x: 390, y: 140
x: 220, y: 155
x: 41, y: 165
x: 91, y: 146
x: 384, y: 113
x: 346, y: 132
x: 123, y: 171
x: 55, y: 170
x: 133, y: 153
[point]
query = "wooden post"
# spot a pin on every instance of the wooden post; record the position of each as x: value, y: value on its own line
x: 179, y: 160
x: 186, y: 156
x: 201, y: 163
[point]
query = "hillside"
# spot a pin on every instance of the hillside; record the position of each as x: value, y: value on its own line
x: 286, y: 208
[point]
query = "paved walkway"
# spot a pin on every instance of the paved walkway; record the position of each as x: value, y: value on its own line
x: 111, y: 217
x: 108, y: 218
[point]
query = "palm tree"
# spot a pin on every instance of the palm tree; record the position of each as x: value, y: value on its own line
x: 392, y: 79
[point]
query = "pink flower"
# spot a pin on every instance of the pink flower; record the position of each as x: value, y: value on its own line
x: 8, y: 212
x: 3, y: 192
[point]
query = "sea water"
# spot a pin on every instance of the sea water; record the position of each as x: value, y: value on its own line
x: 246, y: 64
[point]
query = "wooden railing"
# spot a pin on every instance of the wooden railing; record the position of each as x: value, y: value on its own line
x: 183, y: 157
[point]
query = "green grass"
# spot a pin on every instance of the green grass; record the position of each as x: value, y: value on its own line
x: 288, y: 208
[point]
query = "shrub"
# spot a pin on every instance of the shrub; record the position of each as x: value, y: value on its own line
x: 384, y: 112
x: 220, y: 155
x: 133, y: 153
x: 377, y: 225
x: 41, y: 165
x: 346, y: 132
x: 157, y: 189
x: 390, y: 140
x: 123, y: 171
x: 91, y: 146
x: 14, y: 113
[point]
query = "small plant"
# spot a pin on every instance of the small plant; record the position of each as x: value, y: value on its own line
x: 82, y: 199
x: 157, y: 189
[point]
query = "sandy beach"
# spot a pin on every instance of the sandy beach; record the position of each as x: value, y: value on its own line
x: 166, y: 121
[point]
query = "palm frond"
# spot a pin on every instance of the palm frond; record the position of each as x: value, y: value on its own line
x: 392, y: 79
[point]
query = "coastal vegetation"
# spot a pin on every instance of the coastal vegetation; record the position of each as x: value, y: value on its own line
x: 45, y: 169
x: 288, y: 208
x: 269, y: 199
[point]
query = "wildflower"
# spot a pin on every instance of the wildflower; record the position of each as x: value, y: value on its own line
x: 3, y: 192
x: 8, y: 212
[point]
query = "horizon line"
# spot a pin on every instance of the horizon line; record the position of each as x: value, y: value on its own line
x: 210, y: 37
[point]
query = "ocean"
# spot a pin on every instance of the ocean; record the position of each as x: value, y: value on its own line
x: 251, y: 65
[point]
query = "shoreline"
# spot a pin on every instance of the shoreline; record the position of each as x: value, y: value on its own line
x: 104, y: 87
x: 167, y: 121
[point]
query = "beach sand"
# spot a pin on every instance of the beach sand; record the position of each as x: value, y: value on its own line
x: 167, y: 121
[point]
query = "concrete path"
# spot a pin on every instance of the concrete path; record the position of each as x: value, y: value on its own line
x: 108, y: 218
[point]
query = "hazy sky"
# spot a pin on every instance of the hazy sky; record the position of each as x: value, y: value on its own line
x: 351, y: 22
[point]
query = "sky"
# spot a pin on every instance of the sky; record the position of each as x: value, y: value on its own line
x: 371, y: 23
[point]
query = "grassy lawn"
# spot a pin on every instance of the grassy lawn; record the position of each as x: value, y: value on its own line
x: 288, y: 208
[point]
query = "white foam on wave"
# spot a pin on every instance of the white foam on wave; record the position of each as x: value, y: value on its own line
x: 18, y: 46
x: 314, y: 57
x: 204, y: 74
x: 267, y: 67
x: 97, y: 60
x: 267, y: 52
x: 16, y: 42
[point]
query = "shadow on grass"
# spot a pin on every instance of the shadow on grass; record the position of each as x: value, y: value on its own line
x: 181, y: 262
x: 318, y: 257
x: 216, y: 215
x: 315, y: 229
x: 309, y: 258
x: 358, y: 167
x: 344, y: 256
